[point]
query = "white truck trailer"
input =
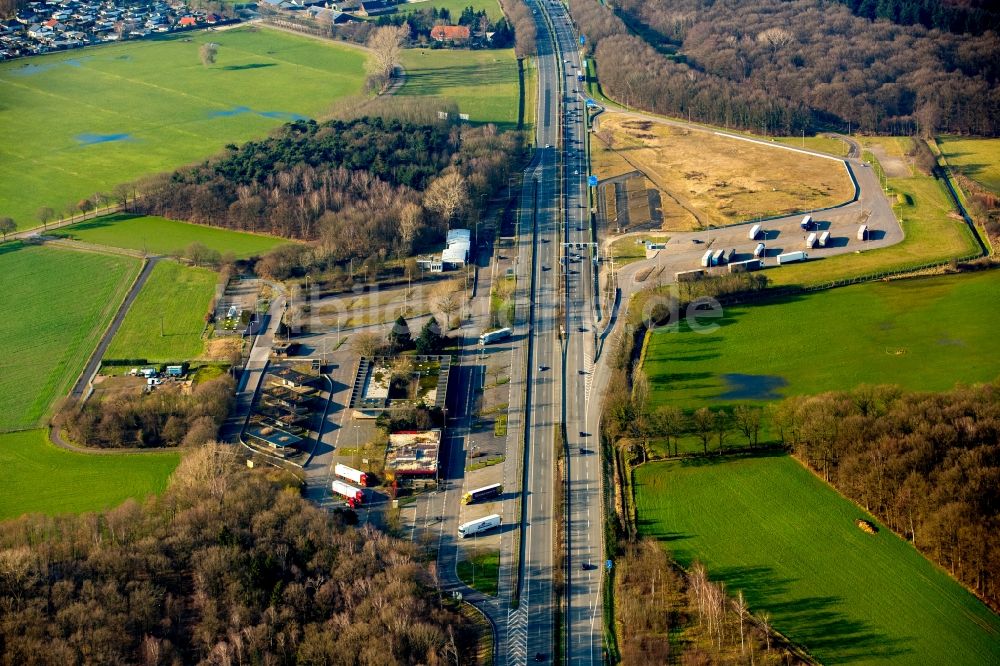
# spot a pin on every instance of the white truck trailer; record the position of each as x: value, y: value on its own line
x: 791, y: 258
x: 479, y: 525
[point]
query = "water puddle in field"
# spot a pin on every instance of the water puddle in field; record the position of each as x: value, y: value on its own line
x: 752, y: 387
x: 91, y: 139
x: 239, y: 110
x: 31, y: 69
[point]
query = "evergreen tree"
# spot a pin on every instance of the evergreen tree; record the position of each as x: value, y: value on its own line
x: 399, y: 337
x: 430, y: 340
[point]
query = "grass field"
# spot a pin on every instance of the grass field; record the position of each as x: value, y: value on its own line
x: 770, y: 528
x: 56, y: 305
x: 176, y: 295
x: 77, y: 122
x: 481, y: 571
x: 923, y: 334
x: 934, y: 231
x: 483, y: 83
x: 978, y: 159
x: 721, y: 180
x: 824, y: 144
x: 158, y: 235
x: 40, y: 478
x: 492, y: 7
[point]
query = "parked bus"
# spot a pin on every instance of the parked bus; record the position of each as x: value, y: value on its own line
x: 484, y: 493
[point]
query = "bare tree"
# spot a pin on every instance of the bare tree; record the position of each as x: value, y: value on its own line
x: 721, y: 424
x: 208, y: 53
x: 45, y: 215
x: 447, y: 299
x: 748, y: 422
x: 670, y: 422
x: 366, y: 344
x: 7, y: 226
x: 411, y: 220
x: 704, y: 422
x: 386, y: 44
x: 447, y: 195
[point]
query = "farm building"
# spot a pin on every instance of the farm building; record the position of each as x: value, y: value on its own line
x: 450, y: 33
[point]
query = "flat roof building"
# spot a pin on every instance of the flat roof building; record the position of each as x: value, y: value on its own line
x: 413, y: 453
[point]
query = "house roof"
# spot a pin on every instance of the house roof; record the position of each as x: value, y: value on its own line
x: 445, y: 33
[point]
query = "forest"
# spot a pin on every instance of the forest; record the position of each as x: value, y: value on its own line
x: 778, y: 67
x: 927, y: 464
x: 228, y: 566
x: 357, y: 187
x: 165, y: 417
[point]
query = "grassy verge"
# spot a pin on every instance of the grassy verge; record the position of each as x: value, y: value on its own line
x: 481, y: 571
x: 627, y: 250
x: 57, y: 304
x: 979, y: 159
x: 166, y: 320
x: 115, y: 113
x: 770, y: 528
x: 40, y: 478
x: 158, y: 235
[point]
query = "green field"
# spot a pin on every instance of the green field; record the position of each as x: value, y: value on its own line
x: 176, y: 297
x: 56, y: 305
x: 158, y: 235
x: 77, y: 122
x: 978, y: 159
x: 40, y: 478
x: 923, y: 334
x: 767, y: 526
x: 483, y: 83
x: 492, y: 7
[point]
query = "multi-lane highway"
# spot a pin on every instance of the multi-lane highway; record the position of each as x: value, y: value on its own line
x: 561, y: 334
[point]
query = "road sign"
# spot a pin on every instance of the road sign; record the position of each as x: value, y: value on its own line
x: 591, y: 102
x: 608, y: 564
x: 592, y: 181
x: 583, y: 40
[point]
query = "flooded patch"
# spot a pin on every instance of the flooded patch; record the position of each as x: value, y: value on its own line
x: 239, y: 110
x: 282, y: 115
x: 752, y: 387
x: 225, y: 113
x: 91, y: 139
x: 31, y: 69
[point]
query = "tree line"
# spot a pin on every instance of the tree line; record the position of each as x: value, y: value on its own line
x: 975, y: 17
x: 228, y: 566
x: 360, y: 187
x: 165, y: 417
x: 667, y: 615
x: 777, y: 67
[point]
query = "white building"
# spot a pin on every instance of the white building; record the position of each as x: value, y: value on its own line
x: 455, y: 254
